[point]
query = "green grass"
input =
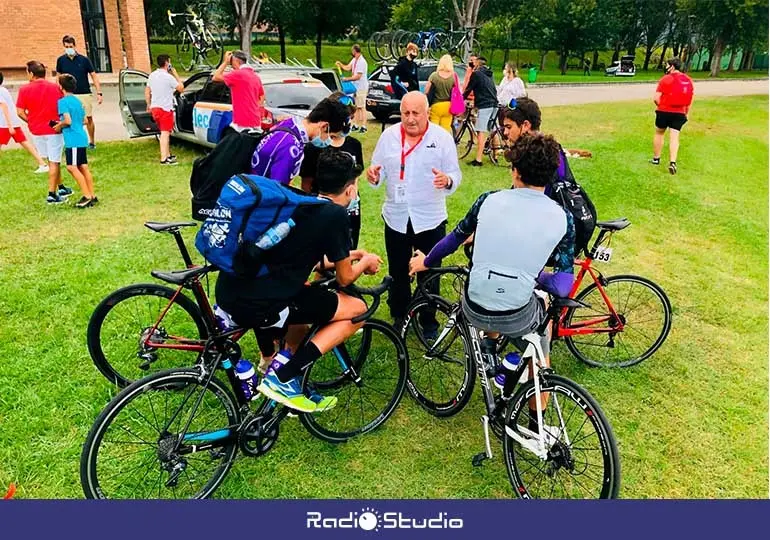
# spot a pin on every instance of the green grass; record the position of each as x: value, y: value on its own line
x: 692, y: 421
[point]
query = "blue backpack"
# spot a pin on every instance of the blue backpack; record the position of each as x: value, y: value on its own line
x: 248, y: 206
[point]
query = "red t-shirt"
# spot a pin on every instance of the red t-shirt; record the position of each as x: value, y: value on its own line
x: 40, y: 99
x: 246, y: 90
x: 669, y: 87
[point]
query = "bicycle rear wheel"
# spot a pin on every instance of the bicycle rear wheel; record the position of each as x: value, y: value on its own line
x: 371, y: 46
x: 438, y: 45
x: 379, y: 358
x: 441, y: 369
x: 643, y: 310
x: 496, y: 148
x: 382, y: 46
x: 211, y: 51
x: 131, y: 450
x: 582, y: 456
x: 464, y: 138
x: 123, y: 321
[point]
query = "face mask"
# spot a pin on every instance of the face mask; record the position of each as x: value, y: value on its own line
x: 470, y: 65
x: 69, y: 51
x: 318, y: 142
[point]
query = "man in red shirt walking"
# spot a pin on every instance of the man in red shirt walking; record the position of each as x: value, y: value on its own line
x: 248, y: 94
x: 673, y: 98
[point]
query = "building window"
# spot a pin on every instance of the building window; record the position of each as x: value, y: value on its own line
x: 95, y: 30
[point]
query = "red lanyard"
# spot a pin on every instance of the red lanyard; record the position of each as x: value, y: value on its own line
x: 404, y: 155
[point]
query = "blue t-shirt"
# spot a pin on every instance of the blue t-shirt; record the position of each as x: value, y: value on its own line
x: 74, y: 134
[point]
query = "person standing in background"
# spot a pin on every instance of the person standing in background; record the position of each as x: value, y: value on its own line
x: 159, y: 96
x: 511, y: 86
x: 417, y: 162
x: 439, y: 86
x: 483, y: 86
x: 472, y: 59
x: 404, y: 76
x: 673, y: 98
x: 80, y: 67
x: 37, y: 105
x: 248, y: 94
x: 359, y: 69
x: 10, y: 127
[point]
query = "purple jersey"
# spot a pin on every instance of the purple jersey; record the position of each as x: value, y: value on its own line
x: 279, y: 154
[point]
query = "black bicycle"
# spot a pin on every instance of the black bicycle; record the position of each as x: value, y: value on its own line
x: 464, y: 133
x: 176, y: 433
x: 571, y: 453
x: 198, y: 35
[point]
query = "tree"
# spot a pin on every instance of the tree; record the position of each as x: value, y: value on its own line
x: 467, y: 13
x: 654, y: 22
x: 319, y: 19
x: 247, y: 12
x: 277, y: 14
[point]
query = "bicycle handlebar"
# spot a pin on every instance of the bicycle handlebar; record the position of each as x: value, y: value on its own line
x: 330, y: 280
x: 170, y: 17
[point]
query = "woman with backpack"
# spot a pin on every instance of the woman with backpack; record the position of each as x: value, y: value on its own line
x: 673, y: 98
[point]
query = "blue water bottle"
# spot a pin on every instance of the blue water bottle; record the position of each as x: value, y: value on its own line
x: 244, y: 370
x: 510, y: 364
x: 275, y: 234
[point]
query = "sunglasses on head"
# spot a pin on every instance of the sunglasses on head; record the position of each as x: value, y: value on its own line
x: 512, y: 104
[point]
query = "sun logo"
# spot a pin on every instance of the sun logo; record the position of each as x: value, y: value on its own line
x: 369, y: 520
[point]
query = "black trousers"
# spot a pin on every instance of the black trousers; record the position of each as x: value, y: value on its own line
x: 400, y: 248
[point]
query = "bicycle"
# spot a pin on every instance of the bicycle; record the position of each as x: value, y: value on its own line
x: 428, y: 42
x: 630, y: 329
x: 456, y: 41
x: 465, y: 137
x: 379, y: 46
x: 199, y: 36
x: 571, y: 429
x: 177, y: 432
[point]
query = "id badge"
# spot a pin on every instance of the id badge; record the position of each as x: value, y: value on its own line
x: 400, y: 193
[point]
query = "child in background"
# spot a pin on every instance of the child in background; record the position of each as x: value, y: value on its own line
x: 71, y: 120
x: 10, y: 127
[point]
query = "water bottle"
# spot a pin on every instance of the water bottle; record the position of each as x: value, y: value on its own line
x: 275, y: 234
x: 244, y: 370
x: 223, y: 319
x: 510, y: 364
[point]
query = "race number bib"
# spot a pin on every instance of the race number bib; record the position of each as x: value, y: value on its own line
x: 603, y: 254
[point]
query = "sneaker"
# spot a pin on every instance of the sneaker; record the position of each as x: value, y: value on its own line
x: 92, y: 146
x: 64, y: 191
x: 84, y: 202
x: 41, y: 169
x: 672, y: 167
x: 475, y: 163
x: 95, y: 201
x: 322, y: 403
x: 287, y: 393
x: 362, y: 130
x: 169, y: 161
x: 172, y: 159
x: 655, y: 161
x: 54, y: 199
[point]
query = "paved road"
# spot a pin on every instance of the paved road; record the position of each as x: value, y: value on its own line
x: 109, y: 126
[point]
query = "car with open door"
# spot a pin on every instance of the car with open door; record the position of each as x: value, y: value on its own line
x: 204, y: 108
x: 624, y: 67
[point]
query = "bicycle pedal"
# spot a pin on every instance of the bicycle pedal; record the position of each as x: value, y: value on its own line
x: 478, y: 459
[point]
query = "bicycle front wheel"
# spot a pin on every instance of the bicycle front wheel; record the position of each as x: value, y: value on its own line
x: 641, y: 326
x: 441, y: 369
x: 382, y: 46
x: 464, y: 137
x: 368, y: 394
x: 147, y: 442
x: 212, y: 50
x: 129, y: 318
x: 581, y: 460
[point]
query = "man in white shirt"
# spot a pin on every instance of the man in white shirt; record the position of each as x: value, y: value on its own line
x: 159, y: 95
x: 358, y: 68
x: 418, y: 163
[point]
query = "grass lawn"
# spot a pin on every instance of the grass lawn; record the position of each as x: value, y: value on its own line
x: 692, y: 421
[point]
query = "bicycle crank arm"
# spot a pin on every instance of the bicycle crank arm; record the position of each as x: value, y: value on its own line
x: 533, y: 445
x: 478, y: 459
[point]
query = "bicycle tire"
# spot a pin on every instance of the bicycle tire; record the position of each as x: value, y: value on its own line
x: 319, y: 424
x: 214, y: 50
x: 372, y: 46
x: 101, y: 346
x: 496, y: 150
x: 95, y: 484
x: 449, y: 399
x: 464, y: 139
x: 438, y: 45
x: 400, y: 40
x: 576, y: 344
x: 382, y: 46
x: 517, y: 414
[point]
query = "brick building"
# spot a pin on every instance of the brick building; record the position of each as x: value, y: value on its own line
x: 112, y: 33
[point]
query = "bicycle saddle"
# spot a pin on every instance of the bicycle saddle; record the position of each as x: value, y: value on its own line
x: 173, y: 226
x: 564, y: 302
x: 614, y: 225
x: 179, y: 277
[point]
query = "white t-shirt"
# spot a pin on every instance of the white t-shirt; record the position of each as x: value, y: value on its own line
x: 360, y: 66
x: 162, y: 87
x: 5, y: 97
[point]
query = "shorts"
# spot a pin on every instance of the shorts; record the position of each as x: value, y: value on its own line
x: 361, y: 99
x: 483, y: 119
x: 513, y: 325
x: 5, y: 135
x: 76, y: 156
x: 88, y: 103
x: 49, y: 146
x: 671, y: 120
x: 312, y: 305
x: 164, y: 119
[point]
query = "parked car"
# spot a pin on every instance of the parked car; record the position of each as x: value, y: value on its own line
x: 381, y: 101
x: 622, y: 68
x: 205, y: 107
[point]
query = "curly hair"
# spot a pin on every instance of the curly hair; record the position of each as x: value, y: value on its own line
x: 536, y: 157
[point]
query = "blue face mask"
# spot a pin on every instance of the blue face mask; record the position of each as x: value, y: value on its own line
x: 318, y: 142
x: 69, y: 51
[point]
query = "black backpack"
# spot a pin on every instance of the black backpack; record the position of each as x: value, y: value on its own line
x: 572, y: 197
x: 231, y: 156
